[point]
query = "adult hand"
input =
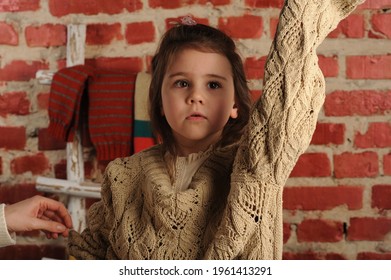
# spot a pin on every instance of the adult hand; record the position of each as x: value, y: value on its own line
x: 38, y: 213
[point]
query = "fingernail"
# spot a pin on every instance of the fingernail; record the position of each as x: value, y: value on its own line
x: 62, y: 228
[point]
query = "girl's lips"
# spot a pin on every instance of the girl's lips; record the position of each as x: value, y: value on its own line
x: 195, y: 116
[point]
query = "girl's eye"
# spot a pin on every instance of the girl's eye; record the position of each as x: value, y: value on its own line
x: 214, y: 85
x: 181, y: 84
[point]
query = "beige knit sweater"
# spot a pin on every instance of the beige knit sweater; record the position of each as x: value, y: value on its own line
x: 233, y: 207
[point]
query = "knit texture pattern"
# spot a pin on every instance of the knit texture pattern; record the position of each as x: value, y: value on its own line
x: 233, y: 207
x: 96, y: 102
x: 5, y: 238
x: 280, y: 129
x: 110, y: 113
x: 65, y: 98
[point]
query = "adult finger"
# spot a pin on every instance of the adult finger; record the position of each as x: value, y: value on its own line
x: 59, y: 208
x: 48, y: 225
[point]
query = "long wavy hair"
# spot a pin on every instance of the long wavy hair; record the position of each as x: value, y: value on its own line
x: 205, y: 39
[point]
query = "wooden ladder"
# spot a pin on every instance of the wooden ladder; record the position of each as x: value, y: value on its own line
x: 74, y: 187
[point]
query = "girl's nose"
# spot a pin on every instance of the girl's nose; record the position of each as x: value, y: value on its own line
x: 196, y: 96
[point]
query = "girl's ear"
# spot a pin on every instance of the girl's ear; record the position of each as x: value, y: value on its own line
x: 234, y: 112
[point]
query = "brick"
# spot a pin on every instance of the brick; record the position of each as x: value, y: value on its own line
x: 329, y: 65
x: 387, y: 164
x: 61, y: 63
x: 19, y: 70
x: 43, y: 100
x: 368, y: 229
x: 19, y: 5
x: 254, y: 67
x: 60, y: 170
x: 360, y: 102
x: 351, y: 27
x: 381, y: 196
x: 334, y: 256
x: 127, y: 64
x: 381, y: 25
x: 36, y: 164
x: 15, y: 140
x: 320, y: 231
x: 148, y: 61
x: 140, y: 32
x: 356, y: 165
x: 215, y: 2
x: 322, y: 198
x: 273, y: 27
x: 255, y: 94
x: 368, y: 67
x: 312, y: 165
x: 8, y: 34
x: 373, y: 256
x: 10, y: 194
x: 376, y: 4
x: 61, y: 8
x: 328, y: 134
x: 312, y: 256
x: 174, y: 4
x: 378, y: 135
x: 47, y: 35
x: 264, y: 3
x: 33, y: 252
x: 103, y: 34
x: 244, y: 27
x: 286, y: 232
x: 46, y: 141
x: 15, y: 103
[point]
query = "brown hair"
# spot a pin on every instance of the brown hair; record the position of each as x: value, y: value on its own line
x: 207, y: 39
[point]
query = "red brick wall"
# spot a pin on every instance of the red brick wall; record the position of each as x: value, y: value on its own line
x: 337, y: 202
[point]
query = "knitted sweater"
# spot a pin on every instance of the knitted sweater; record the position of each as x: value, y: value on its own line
x: 108, y: 96
x: 233, y: 206
x: 5, y: 238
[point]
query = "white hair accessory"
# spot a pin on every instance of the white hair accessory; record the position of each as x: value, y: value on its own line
x: 186, y: 20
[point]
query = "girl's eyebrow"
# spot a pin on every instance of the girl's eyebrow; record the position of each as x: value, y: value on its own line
x: 207, y: 75
x: 177, y: 74
x: 217, y: 76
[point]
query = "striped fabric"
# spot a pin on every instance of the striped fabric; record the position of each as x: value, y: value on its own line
x: 110, y: 113
x: 66, y: 92
x: 143, y: 137
x: 110, y: 98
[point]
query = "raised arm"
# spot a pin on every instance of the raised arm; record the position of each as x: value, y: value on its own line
x: 280, y: 129
x: 284, y: 119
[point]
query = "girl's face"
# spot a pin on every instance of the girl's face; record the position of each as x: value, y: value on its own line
x: 198, y: 98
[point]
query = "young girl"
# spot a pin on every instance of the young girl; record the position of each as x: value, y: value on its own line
x: 213, y: 188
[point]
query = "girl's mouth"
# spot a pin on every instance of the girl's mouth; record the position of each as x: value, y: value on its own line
x: 195, y: 116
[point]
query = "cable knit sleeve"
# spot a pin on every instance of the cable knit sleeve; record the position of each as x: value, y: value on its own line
x: 280, y: 129
x: 6, y: 238
x: 95, y: 242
